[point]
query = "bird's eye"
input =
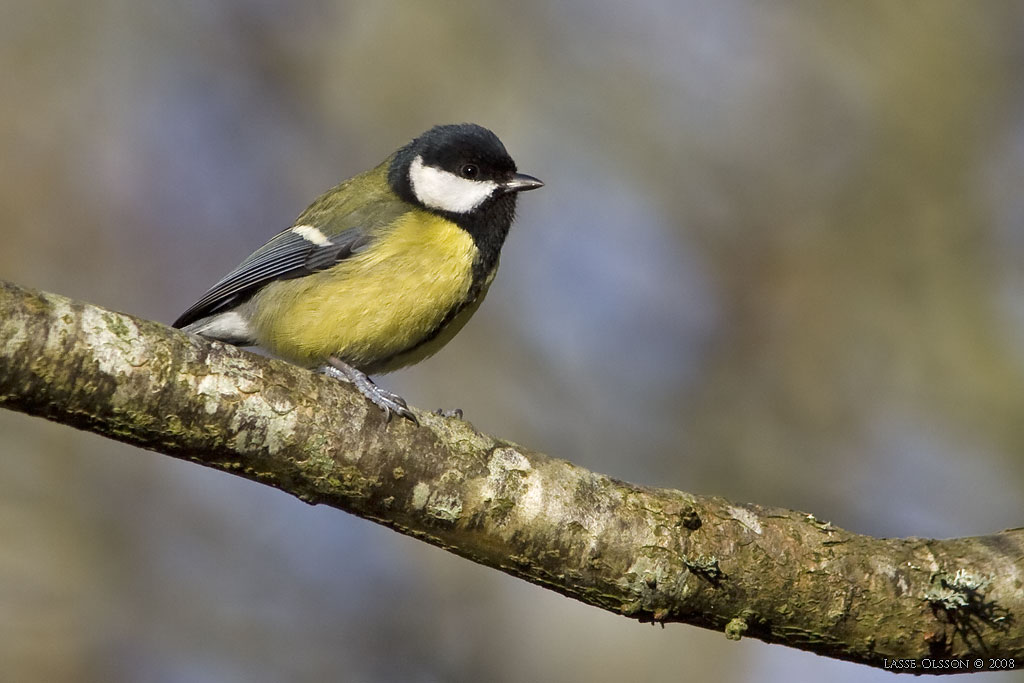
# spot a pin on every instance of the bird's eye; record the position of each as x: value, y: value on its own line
x: 470, y: 171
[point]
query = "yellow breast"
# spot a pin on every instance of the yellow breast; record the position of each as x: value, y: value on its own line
x: 374, y: 305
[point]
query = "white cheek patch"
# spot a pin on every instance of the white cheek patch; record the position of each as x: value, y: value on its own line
x: 446, y: 191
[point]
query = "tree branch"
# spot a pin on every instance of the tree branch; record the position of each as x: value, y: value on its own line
x: 650, y: 554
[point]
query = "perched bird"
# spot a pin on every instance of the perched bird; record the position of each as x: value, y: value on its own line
x: 382, y: 270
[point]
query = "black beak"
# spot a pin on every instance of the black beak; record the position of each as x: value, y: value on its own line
x: 520, y: 182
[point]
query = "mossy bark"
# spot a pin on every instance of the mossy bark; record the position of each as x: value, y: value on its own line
x: 650, y: 554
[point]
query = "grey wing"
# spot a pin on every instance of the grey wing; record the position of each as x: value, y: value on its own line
x: 293, y: 253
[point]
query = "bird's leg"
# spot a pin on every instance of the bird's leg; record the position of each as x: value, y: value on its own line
x: 382, y: 398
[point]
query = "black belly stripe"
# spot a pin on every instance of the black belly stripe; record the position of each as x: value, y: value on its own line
x: 475, y: 289
x: 448, y: 318
x: 488, y: 227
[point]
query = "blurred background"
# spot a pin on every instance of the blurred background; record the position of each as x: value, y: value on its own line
x: 779, y: 258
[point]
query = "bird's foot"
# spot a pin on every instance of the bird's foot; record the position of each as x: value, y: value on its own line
x: 449, y: 412
x: 387, y: 401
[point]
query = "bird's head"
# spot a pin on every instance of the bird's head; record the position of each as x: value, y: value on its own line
x: 458, y: 169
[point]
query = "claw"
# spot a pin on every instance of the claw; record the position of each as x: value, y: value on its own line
x: 387, y: 401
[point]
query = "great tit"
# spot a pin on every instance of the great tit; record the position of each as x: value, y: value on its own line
x: 381, y: 271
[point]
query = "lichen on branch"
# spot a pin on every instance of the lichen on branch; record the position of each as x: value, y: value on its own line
x: 650, y: 554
